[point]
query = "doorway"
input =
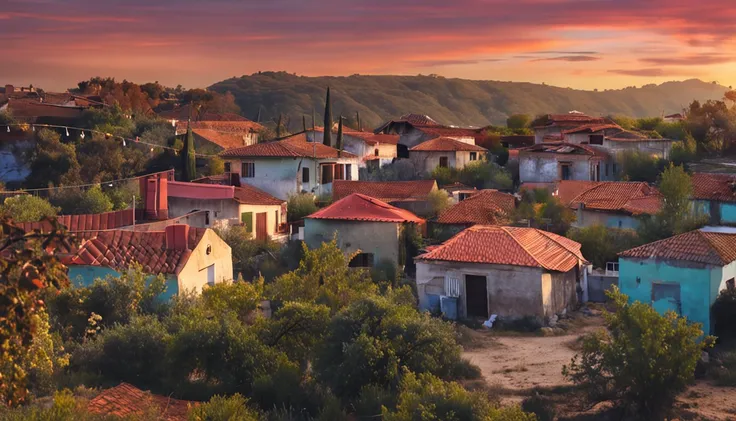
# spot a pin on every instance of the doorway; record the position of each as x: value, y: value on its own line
x: 261, y: 230
x: 476, y: 296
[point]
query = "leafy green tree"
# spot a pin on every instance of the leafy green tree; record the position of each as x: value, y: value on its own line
x: 295, y: 329
x: 327, y: 140
x: 27, y: 208
x: 374, y: 339
x: 444, y: 175
x: 245, y: 250
x: 323, y: 277
x: 518, y: 121
x: 52, y: 162
x: 439, y: 201
x: 215, y: 166
x: 240, y: 298
x: 300, y: 205
x: 712, y: 125
x: 642, y: 361
x: 224, y: 408
x: 485, y: 175
x: 600, y: 244
x: 188, y: 157
x: 427, y: 397
x: 541, y: 210
x: 640, y: 166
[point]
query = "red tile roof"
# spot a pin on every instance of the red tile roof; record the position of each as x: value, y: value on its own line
x: 486, y: 207
x: 87, y: 222
x: 635, y: 198
x: 487, y: 244
x: 446, y: 144
x: 712, y: 248
x: 563, y: 148
x: 126, y: 400
x: 118, y: 249
x: 294, y: 146
x: 449, y: 131
x: 387, y: 191
x: 718, y: 187
x: 359, y: 207
x: 32, y: 110
x: 592, y: 128
x: 249, y: 195
x: 368, y: 137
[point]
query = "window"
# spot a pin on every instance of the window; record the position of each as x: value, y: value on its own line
x: 376, y: 152
x: 596, y: 139
x: 612, y: 268
x: 565, y: 171
x: 348, y: 171
x: 443, y: 162
x: 248, y: 170
x: 606, y: 170
x: 473, y: 156
x: 227, y: 167
x: 327, y: 173
x: 730, y: 284
x: 247, y: 219
x: 339, y: 172
x: 362, y: 260
x: 597, y: 172
x: 305, y: 175
x: 276, y: 221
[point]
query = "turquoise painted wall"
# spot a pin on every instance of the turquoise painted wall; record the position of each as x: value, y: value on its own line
x: 696, y: 286
x: 728, y: 213
x: 84, y: 276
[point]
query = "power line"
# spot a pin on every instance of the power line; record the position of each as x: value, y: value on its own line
x: 107, y: 135
x: 110, y: 182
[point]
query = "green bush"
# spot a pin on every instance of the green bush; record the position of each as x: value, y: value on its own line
x: 444, y: 175
x: 300, y: 205
x: 640, y: 166
x: 224, y: 408
x: 723, y: 314
x: 27, y: 208
x: 643, y: 361
x: 600, y: 244
x: 65, y: 407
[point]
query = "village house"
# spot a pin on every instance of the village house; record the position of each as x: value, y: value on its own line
x: 508, y: 271
x: 414, y: 129
x: 127, y: 401
x: 374, y: 150
x: 614, y: 204
x: 410, y: 195
x: 482, y: 207
x: 292, y: 165
x: 554, y: 161
x: 363, y: 224
x: 218, y: 135
x: 715, y: 195
x: 684, y: 273
x: 445, y: 152
x: 552, y: 126
x: 189, y: 258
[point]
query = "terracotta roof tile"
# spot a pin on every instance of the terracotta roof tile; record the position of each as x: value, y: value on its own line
x: 369, y: 138
x: 713, y: 248
x: 486, y: 207
x: 446, y: 131
x: 294, y: 146
x: 249, y: 195
x: 126, y: 400
x: 563, y: 148
x: 359, y: 207
x: 592, y: 128
x: 446, y: 144
x: 632, y: 197
x: 90, y: 222
x: 514, y: 246
x: 387, y: 191
x: 718, y: 187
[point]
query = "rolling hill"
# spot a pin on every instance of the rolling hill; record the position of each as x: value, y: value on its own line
x: 449, y: 101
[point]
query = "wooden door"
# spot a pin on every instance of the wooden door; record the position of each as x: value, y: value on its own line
x: 476, y: 296
x: 261, y: 230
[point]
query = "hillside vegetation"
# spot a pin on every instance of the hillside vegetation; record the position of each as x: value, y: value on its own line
x: 449, y: 101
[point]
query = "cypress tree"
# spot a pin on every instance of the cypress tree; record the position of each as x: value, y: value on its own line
x: 188, y: 156
x: 314, y: 118
x: 258, y: 117
x: 327, y: 140
x: 304, y: 123
x: 338, y: 142
x: 357, y: 119
x: 278, y: 128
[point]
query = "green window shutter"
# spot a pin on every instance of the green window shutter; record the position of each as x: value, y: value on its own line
x: 247, y: 219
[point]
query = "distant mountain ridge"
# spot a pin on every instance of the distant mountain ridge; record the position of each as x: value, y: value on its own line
x: 449, y: 101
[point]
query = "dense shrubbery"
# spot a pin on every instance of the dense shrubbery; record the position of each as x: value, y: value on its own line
x: 600, y: 244
x: 300, y: 205
x: 27, y: 208
x: 479, y: 174
x: 541, y: 210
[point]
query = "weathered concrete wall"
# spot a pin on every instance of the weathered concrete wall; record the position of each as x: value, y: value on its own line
x: 587, y: 218
x: 598, y: 285
x: 379, y: 238
x: 655, y: 147
x: 563, y: 294
x: 194, y: 274
x: 545, y: 168
x: 698, y: 285
x: 540, y: 133
x: 274, y: 216
x: 223, y: 212
x: 513, y: 291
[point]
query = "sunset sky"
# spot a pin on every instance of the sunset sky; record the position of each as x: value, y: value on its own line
x: 577, y: 43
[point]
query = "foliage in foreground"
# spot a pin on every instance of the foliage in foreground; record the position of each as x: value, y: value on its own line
x: 642, y: 362
x: 27, y: 208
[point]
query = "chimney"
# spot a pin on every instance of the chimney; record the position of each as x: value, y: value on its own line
x: 154, y: 190
x: 177, y: 237
x: 162, y: 204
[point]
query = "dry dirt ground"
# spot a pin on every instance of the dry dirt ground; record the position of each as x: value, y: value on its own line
x: 517, y: 366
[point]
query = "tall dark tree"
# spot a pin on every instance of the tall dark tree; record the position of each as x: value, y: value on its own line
x: 304, y: 123
x: 188, y: 157
x: 338, y: 142
x: 258, y: 117
x: 357, y: 120
x: 278, y: 127
x: 314, y: 119
x: 328, y: 120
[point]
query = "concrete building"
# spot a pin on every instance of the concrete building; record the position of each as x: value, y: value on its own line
x: 614, y: 204
x: 365, y: 225
x: 684, y: 273
x: 508, y: 271
x: 189, y: 258
x: 373, y: 149
x: 445, y: 152
x: 414, y: 129
x: 218, y: 135
x: 552, y: 126
x: 409, y: 195
x: 292, y: 165
x: 715, y: 195
x: 554, y: 161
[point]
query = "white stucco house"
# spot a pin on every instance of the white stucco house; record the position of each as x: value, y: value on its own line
x: 292, y: 165
x: 362, y: 224
x: 508, y: 271
x: 446, y: 152
x: 373, y: 149
x: 551, y: 162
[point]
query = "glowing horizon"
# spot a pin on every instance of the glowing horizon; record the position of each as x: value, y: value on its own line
x: 583, y: 44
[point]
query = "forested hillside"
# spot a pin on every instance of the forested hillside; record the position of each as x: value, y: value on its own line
x: 449, y: 101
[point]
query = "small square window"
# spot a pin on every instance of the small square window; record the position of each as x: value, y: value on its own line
x: 473, y: 156
x: 444, y: 162
x: 227, y: 167
x: 248, y: 170
x: 362, y: 260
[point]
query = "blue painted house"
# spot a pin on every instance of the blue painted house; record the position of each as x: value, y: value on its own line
x: 684, y: 273
x: 715, y: 195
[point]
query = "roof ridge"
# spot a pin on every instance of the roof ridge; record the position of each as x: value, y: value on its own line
x: 505, y: 229
x: 714, y: 249
x: 599, y: 183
